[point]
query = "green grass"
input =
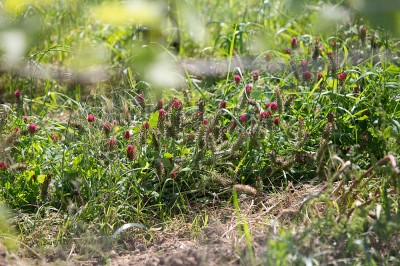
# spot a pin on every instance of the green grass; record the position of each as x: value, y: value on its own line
x: 336, y: 123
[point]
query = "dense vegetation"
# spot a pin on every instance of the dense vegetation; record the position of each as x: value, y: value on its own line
x: 125, y: 133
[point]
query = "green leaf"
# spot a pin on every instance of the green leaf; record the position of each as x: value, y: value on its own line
x: 153, y: 121
x: 41, y: 178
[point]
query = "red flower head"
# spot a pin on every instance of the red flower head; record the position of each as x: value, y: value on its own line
x: 330, y: 55
x: 17, y: 94
x: 294, y: 42
x: 342, y: 77
x: 204, y: 122
x: 243, y: 118
x: 274, y: 106
x: 25, y: 118
x: 249, y: 88
x: 199, y: 113
x: 130, y: 152
x: 331, y: 117
x: 161, y: 113
x: 276, y: 120
x: 237, y: 79
x: 112, y: 142
x: 255, y: 74
x: 265, y: 114
x: 146, y: 125
x: 334, y: 44
x: 54, y: 138
x: 141, y: 97
x: 320, y: 76
x: 3, y: 166
x: 90, y: 118
x: 176, y: 104
x: 222, y: 104
x: 173, y: 175
x: 304, y: 63
x: 32, y: 128
x: 107, y: 127
x: 127, y: 134
x: 267, y: 105
x: 307, y: 76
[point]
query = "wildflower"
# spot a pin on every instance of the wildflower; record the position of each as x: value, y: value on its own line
x: 307, y: 76
x: 54, y: 138
x: 334, y: 44
x: 199, y: 113
x: 249, y: 87
x: 127, y: 134
x: 173, y: 175
x: 90, y: 118
x: 330, y: 55
x: 222, y: 104
x: 176, y: 104
x: 330, y: 117
x: 267, y: 105
x: 304, y: 64
x: 294, y: 42
x: 243, y: 118
x: 130, y: 152
x: 114, y: 122
x: 276, y: 120
x: 287, y: 51
x: 204, y: 122
x: 17, y: 94
x: 320, y: 76
x: 356, y: 89
x: 266, y: 114
x: 146, y: 125
x: 107, y: 127
x: 237, y: 79
x: 363, y: 33
x: 112, y: 142
x: 160, y: 104
x: 255, y: 74
x: 342, y: 77
x: 141, y: 97
x: 347, y: 149
x: 32, y: 128
x: 16, y: 129
x: 161, y: 113
x: 25, y: 118
x: 274, y: 106
x: 3, y: 166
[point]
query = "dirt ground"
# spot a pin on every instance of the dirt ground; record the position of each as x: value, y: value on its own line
x: 211, y: 236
